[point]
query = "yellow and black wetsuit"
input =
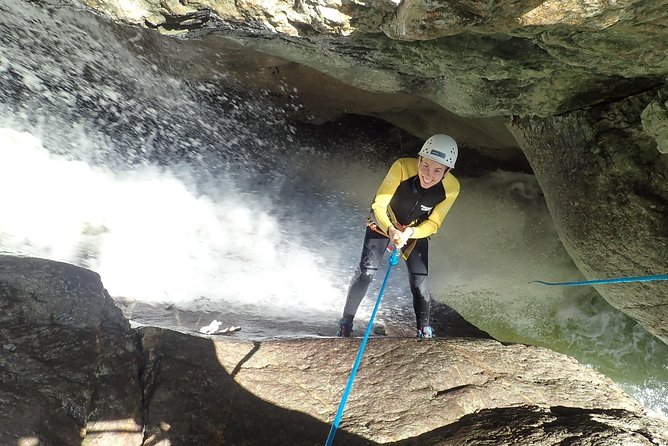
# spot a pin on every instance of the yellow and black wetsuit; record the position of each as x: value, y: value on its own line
x: 401, y: 201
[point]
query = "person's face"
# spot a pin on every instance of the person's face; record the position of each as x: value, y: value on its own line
x: 430, y: 172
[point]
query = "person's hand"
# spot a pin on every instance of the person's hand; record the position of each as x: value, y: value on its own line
x: 404, y: 236
x: 394, y: 234
x: 400, y: 238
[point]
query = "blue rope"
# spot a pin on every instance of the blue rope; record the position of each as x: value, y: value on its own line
x: 330, y: 438
x: 604, y: 281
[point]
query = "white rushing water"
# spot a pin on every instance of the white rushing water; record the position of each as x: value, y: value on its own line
x: 194, y: 202
x: 148, y: 234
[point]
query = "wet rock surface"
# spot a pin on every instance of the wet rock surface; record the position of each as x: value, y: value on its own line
x: 68, y: 359
x: 606, y: 184
x: 405, y: 391
x: 77, y: 381
x: 472, y: 58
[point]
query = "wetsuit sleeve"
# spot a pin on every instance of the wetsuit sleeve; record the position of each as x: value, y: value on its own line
x: 384, y: 195
x: 433, y: 223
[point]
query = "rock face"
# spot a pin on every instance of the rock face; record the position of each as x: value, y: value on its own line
x: 607, y: 188
x: 473, y: 58
x: 580, y: 84
x: 68, y: 359
x: 406, y: 392
x: 70, y: 372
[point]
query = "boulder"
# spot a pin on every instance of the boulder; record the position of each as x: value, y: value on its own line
x: 605, y: 182
x: 406, y: 391
x: 69, y: 368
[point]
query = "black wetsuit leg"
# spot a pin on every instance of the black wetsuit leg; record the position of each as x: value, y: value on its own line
x: 372, y: 254
x: 418, y: 275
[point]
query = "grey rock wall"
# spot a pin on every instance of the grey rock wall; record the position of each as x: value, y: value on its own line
x: 475, y: 59
x: 606, y: 184
x: 69, y: 368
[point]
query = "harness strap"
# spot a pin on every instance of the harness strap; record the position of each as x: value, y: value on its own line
x: 374, y: 227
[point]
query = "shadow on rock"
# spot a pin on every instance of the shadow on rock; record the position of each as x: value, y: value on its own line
x: 192, y: 399
x: 534, y: 426
x: 447, y: 322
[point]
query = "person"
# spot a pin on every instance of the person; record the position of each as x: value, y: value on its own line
x: 410, y: 206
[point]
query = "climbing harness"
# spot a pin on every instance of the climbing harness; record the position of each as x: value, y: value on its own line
x: 393, y: 260
x: 374, y: 227
x: 604, y: 281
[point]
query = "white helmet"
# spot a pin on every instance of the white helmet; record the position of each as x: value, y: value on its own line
x: 442, y: 149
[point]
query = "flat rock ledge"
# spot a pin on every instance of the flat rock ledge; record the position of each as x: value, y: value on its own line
x: 72, y: 371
